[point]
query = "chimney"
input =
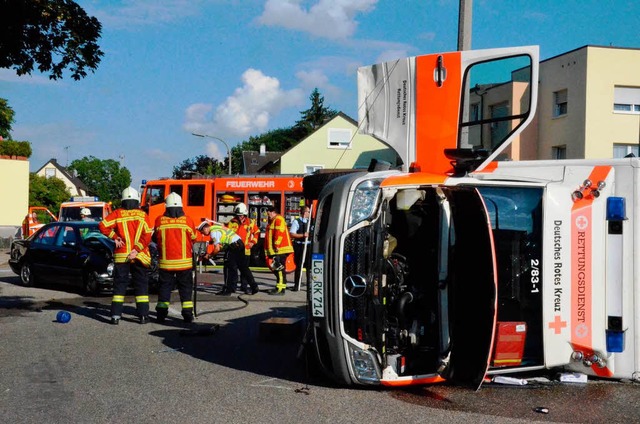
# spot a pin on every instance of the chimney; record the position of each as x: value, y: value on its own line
x: 263, y: 150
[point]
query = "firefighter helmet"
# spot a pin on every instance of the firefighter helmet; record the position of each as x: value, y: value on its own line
x: 85, y: 212
x: 130, y: 193
x: 173, y: 200
x: 241, y: 209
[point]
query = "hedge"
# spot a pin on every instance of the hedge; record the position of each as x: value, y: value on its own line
x: 15, y: 148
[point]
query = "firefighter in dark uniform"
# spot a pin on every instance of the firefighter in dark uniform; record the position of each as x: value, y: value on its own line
x: 128, y: 226
x: 300, y: 238
x: 249, y: 232
x: 174, y: 234
x: 224, y: 238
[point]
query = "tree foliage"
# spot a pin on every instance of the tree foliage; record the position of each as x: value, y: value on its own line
x: 50, y: 35
x: 104, y: 178
x: 6, y: 119
x: 314, y: 117
x: 199, y: 165
x: 48, y: 192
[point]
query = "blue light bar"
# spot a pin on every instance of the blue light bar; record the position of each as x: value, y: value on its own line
x: 615, y: 341
x: 616, y: 210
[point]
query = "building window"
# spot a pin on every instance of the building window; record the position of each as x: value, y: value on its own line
x: 499, y: 129
x: 338, y: 138
x: 559, y: 152
x: 474, y: 114
x: 621, y: 150
x: 626, y: 99
x: 560, y: 103
x: 310, y: 169
x: 49, y: 172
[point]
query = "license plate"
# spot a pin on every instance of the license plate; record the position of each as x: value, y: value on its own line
x: 317, y: 285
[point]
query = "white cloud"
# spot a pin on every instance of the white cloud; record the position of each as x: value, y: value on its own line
x: 247, y: 111
x: 9, y: 75
x: 333, y: 19
x: 389, y: 55
x: 317, y: 79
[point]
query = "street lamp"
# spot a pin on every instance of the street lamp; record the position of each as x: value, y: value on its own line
x: 221, y: 140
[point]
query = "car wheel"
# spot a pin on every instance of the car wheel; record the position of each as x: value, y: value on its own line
x: 91, y: 286
x: 26, y: 275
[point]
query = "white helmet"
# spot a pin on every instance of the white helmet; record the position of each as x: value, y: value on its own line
x: 241, y: 209
x: 130, y: 193
x: 173, y: 200
x: 85, y: 212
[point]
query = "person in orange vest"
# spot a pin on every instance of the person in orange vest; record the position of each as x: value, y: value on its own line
x: 277, y: 246
x: 249, y: 232
x: 174, y: 234
x: 128, y: 226
x: 28, y: 223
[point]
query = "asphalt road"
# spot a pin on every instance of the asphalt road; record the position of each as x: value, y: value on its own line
x: 91, y: 372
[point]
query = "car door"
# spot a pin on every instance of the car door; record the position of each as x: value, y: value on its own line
x: 41, y: 250
x: 67, y: 256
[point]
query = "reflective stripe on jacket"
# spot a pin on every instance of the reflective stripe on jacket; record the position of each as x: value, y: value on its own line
x: 223, y: 235
x: 247, y: 230
x: 175, y: 237
x: 132, y: 227
x: 276, y: 237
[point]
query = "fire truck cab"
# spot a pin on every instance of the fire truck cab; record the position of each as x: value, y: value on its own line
x: 466, y: 266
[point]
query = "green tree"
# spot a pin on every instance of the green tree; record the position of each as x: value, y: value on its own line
x: 314, y: 117
x: 48, y: 192
x: 202, y: 165
x: 6, y: 119
x: 278, y: 140
x: 52, y: 35
x: 103, y: 178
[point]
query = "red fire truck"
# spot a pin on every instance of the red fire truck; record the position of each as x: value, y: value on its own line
x: 216, y: 197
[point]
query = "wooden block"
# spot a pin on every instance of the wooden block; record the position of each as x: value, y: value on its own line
x: 281, y: 329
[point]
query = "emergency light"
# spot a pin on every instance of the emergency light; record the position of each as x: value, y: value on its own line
x: 616, y: 210
x: 615, y: 341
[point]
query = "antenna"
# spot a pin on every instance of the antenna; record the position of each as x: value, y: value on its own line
x: 66, y: 148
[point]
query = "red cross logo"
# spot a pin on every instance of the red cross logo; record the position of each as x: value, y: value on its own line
x: 557, y: 325
x: 582, y: 222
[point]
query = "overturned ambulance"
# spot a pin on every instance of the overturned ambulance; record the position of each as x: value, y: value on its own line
x: 461, y: 265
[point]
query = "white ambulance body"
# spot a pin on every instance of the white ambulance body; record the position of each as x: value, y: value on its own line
x: 466, y: 266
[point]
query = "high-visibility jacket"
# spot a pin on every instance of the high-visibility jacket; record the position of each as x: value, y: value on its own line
x: 132, y: 227
x: 247, y: 229
x: 276, y: 237
x: 223, y: 235
x: 175, y: 238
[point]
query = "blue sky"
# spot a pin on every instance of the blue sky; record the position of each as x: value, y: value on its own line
x: 237, y: 68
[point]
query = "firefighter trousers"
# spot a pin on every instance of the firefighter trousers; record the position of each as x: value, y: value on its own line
x: 246, y: 276
x: 167, y: 282
x: 136, y: 273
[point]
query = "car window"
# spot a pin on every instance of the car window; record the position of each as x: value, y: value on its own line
x: 47, y: 236
x: 90, y: 231
x: 66, y: 235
